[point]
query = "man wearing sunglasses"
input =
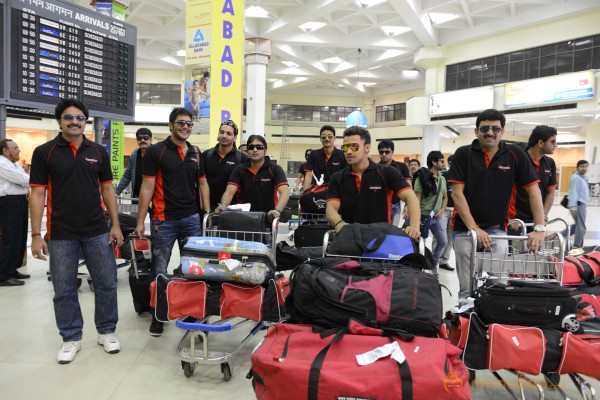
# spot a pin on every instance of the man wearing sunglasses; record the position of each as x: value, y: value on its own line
x: 324, y: 162
x: 173, y: 179
x: 220, y: 161
x: 258, y: 181
x: 133, y: 173
x: 362, y: 191
x: 75, y: 173
x: 482, y: 176
x: 386, y: 152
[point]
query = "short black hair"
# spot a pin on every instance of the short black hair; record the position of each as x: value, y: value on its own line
x: 491, y: 115
x: 360, y: 131
x: 414, y: 160
x: 327, y: 128
x: 541, y: 132
x: 231, y: 124
x: 66, y: 103
x: 386, y: 144
x: 581, y: 162
x: 450, y: 158
x: 306, y: 154
x: 143, y: 131
x: 177, y: 111
x: 434, y: 156
x: 260, y: 138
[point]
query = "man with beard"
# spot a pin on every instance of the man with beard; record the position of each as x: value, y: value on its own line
x: 14, y: 185
x: 386, y: 153
x: 220, y: 161
x: 173, y: 180
x: 362, y: 191
x: 482, y: 178
x: 258, y: 181
x: 324, y: 162
x: 133, y: 173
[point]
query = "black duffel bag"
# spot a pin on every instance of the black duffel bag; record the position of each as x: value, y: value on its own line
x: 310, y: 233
x: 288, y: 257
x: 329, y: 292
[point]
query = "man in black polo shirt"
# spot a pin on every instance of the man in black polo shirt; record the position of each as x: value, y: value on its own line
x: 133, y: 173
x: 386, y: 152
x: 324, y: 162
x: 76, y: 175
x: 220, y: 161
x: 482, y: 177
x: 542, y: 141
x: 362, y: 192
x: 173, y: 178
x: 258, y: 181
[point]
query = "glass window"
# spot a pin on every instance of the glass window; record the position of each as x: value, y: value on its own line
x: 531, y: 68
x: 451, y: 82
x: 548, y: 66
x: 564, y: 47
x: 596, y: 58
x: 531, y: 53
x: 583, y: 43
x: 316, y: 116
x: 582, y: 60
x: 463, y: 80
x: 548, y: 50
x: 487, y: 76
x: 517, y: 56
x: 452, y: 68
x: 502, y: 59
x: 464, y: 66
x: 515, y: 71
x: 564, y: 63
x: 475, y: 78
x: 501, y: 73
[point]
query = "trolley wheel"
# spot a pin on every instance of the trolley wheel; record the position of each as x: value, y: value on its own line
x: 78, y: 283
x: 472, y: 375
x: 226, y: 370
x: 552, y: 379
x: 91, y: 285
x: 188, y: 368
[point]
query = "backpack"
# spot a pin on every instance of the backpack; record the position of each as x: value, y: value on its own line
x: 428, y: 182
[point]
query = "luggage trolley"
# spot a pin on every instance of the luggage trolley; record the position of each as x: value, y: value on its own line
x: 194, y: 348
x: 545, y: 266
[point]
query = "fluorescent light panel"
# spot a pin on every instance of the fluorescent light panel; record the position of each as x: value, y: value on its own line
x: 255, y: 11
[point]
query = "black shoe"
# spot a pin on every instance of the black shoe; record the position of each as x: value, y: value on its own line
x: 446, y: 267
x: 18, y: 275
x: 156, y: 327
x: 12, y: 282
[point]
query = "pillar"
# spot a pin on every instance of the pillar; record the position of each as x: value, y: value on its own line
x: 258, y: 52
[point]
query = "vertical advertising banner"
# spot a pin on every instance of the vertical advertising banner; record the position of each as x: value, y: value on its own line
x: 227, y: 62
x: 117, y: 133
x: 198, y: 32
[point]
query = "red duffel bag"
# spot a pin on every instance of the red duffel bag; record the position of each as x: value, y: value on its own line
x: 293, y: 362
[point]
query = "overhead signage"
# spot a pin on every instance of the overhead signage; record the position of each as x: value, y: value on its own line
x: 59, y: 50
x: 461, y: 101
x: 553, y: 89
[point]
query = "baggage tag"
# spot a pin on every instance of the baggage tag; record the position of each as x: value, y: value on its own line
x: 231, y: 263
x: 391, y: 349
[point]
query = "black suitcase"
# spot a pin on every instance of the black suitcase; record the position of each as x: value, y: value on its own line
x: 310, y: 233
x: 527, y: 304
x: 140, y: 288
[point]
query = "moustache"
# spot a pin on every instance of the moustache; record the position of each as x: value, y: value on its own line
x: 486, y: 136
x: 73, y: 126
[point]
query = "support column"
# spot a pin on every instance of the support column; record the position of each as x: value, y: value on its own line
x: 431, y: 141
x: 592, y: 143
x: 258, y: 52
x: 3, y: 122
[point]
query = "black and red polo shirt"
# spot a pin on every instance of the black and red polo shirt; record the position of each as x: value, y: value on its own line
x: 72, y: 177
x: 175, y: 190
x: 488, y: 183
x: 519, y: 202
x: 400, y: 166
x: 319, y: 163
x: 218, y: 170
x: 368, y: 198
x: 260, y: 188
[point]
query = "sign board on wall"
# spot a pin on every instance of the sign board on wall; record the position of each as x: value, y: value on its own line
x: 552, y: 89
x: 60, y: 50
x: 461, y: 101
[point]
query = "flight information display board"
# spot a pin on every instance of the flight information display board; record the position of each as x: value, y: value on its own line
x: 60, y: 50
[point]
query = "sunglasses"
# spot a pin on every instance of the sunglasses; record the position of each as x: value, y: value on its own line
x: 70, y: 117
x: 231, y: 124
x: 352, y: 146
x: 494, y: 128
x: 189, y: 124
x: 327, y: 137
x: 255, y: 146
x: 143, y: 138
x: 385, y: 152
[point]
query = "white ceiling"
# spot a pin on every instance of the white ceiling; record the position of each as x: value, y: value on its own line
x: 349, y: 25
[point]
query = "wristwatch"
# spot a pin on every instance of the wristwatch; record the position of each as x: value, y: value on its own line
x: 278, y: 210
x: 539, y: 228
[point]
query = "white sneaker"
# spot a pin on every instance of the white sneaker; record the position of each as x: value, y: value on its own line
x: 110, y: 341
x: 68, y: 351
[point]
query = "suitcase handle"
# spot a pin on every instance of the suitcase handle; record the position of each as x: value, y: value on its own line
x: 530, y: 310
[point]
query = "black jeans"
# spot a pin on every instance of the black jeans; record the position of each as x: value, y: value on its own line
x: 13, y: 228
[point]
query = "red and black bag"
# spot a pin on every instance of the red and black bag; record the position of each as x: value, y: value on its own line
x: 313, y: 200
x: 330, y: 292
x: 582, y: 268
x: 581, y: 354
x: 520, y: 348
x: 294, y: 362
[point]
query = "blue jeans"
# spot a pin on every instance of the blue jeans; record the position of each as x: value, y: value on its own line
x: 462, y: 250
x: 445, y: 258
x: 164, y: 235
x: 437, y: 228
x: 100, y: 261
x: 580, y: 227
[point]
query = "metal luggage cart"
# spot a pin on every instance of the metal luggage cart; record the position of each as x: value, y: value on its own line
x: 127, y: 205
x: 546, y: 266
x: 551, y: 226
x: 194, y: 348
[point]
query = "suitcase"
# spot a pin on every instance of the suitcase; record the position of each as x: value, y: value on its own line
x: 226, y: 260
x: 527, y: 304
x: 311, y: 233
x: 139, y: 273
x: 293, y: 362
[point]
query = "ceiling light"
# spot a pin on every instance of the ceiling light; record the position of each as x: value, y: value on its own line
x: 171, y: 60
x: 440, y: 18
x: 290, y: 64
x: 180, y: 53
x: 255, y: 11
x: 394, y: 30
x: 410, y: 73
x: 332, y: 60
x: 311, y: 26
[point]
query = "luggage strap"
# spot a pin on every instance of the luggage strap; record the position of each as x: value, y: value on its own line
x: 317, y: 364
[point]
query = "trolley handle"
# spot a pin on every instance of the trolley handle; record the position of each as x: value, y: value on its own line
x: 196, y: 326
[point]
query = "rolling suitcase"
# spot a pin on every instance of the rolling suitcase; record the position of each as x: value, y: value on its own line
x: 139, y: 274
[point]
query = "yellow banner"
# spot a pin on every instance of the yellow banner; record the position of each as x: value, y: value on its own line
x: 198, y: 31
x: 117, y: 132
x: 226, y: 64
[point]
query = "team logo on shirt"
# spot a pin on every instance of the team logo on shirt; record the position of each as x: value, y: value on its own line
x: 504, y: 168
x: 90, y: 160
x: 229, y: 163
x: 335, y: 164
x: 375, y: 188
x: 547, y: 171
x: 265, y: 179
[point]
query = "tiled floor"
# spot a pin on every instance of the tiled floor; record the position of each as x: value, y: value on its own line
x: 147, y: 367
